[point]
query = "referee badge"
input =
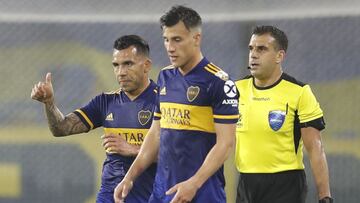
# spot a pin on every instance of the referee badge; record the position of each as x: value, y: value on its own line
x: 144, y: 116
x: 192, y: 93
x: 276, y: 119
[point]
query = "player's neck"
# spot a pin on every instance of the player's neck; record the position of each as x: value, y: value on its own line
x: 185, y: 69
x: 134, y: 94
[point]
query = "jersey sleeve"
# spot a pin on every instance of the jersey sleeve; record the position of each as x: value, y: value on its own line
x: 309, y: 111
x: 90, y: 114
x: 225, y: 96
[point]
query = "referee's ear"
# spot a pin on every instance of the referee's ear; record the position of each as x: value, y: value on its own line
x: 280, y: 56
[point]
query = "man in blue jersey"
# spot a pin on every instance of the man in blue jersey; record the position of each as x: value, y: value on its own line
x: 193, y: 130
x: 125, y: 115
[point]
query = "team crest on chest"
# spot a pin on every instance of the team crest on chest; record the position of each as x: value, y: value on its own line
x: 276, y: 119
x: 192, y: 93
x: 144, y: 117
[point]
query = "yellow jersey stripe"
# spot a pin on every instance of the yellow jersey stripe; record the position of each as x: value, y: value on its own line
x: 211, y: 71
x: 226, y: 116
x: 157, y: 115
x: 186, y: 117
x: 86, y: 118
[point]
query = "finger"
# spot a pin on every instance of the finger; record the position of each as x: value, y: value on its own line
x: 108, y: 145
x: 32, y: 95
x: 125, y: 192
x: 110, y: 135
x: 176, y: 199
x: 35, y: 92
x: 42, y: 89
x: 117, y: 195
x: 39, y: 89
x: 172, y: 190
x: 48, y: 78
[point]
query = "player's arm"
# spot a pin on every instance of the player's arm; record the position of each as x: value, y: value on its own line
x: 312, y: 141
x: 147, y: 155
x: 225, y: 139
x: 59, y: 124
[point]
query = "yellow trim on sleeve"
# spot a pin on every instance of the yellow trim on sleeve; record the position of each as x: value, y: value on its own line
x: 226, y: 116
x: 157, y: 114
x: 86, y: 118
x: 211, y: 71
x: 211, y: 65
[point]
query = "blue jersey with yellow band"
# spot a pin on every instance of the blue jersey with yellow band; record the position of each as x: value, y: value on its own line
x: 117, y: 114
x: 188, y: 108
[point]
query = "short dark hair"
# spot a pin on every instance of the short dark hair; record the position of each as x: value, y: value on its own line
x: 279, y: 35
x: 139, y: 43
x: 177, y: 13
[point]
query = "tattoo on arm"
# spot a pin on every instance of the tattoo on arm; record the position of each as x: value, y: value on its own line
x: 61, y: 125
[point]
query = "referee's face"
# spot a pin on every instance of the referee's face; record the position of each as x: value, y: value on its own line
x: 264, y: 57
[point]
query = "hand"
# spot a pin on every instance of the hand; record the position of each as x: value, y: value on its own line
x: 43, y: 91
x: 122, y: 190
x: 185, y: 191
x: 116, y: 144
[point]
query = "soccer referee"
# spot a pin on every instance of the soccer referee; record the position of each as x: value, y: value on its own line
x: 279, y: 115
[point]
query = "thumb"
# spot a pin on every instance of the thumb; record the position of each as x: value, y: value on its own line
x: 172, y: 190
x: 48, y: 78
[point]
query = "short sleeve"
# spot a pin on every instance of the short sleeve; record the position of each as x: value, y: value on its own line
x: 225, y: 96
x: 309, y: 111
x: 90, y: 114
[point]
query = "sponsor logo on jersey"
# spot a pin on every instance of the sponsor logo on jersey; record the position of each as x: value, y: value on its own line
x: 192, y: 93
x: 276, y: 119
x: 144, y: 116
x: 176, y: 116
x: 230, y: 89
x: 261, y: 98
x: 233, y: 102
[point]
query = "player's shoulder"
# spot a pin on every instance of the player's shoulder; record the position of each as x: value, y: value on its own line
x: 215, y: 72
x: 292, y: 80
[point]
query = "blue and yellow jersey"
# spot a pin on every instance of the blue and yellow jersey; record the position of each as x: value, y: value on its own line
x: 188, y: 108
x: 117, y: 114
x: 269, y: 129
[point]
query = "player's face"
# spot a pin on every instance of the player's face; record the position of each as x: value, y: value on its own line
x: 181, y: 45
x: 130, y: 69
x: 264, y: 57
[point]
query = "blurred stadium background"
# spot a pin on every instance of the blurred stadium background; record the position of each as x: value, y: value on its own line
x: 73, y: 40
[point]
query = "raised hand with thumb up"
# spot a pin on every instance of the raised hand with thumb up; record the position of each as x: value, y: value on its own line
x: 43, y: 91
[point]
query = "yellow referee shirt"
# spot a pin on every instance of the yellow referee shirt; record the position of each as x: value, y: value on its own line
x: 268, y: 131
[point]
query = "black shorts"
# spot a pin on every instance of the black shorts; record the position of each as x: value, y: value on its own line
x: 282, y: 187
